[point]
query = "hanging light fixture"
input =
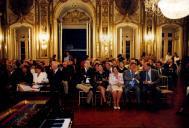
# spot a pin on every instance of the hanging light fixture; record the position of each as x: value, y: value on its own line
x: 174, y: 9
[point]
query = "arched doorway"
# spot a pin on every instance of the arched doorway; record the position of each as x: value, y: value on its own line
x: 171, y: 39
x: 81, y: 14
x: 127, y: 37
x: 75, y: 33
x: 19, y: 43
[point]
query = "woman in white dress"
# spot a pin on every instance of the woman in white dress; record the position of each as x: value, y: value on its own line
x: 116, y: 83
x: 39, y: 77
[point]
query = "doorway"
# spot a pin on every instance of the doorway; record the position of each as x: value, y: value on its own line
x: 22, y: 35
x: 74, y: 41
x: 125, y: 41
x: 171, y: 40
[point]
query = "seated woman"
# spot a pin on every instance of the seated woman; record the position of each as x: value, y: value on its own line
x: 116, y: 82
x: 39, y: 77
x: 101, y: 80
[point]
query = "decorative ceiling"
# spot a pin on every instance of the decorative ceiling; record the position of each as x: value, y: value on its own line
x: 2, y: 5
x: 21, y: 7
x: 127, y: 6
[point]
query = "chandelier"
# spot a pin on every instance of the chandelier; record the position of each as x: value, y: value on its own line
x: 151, y: 7
x: 172, y: 9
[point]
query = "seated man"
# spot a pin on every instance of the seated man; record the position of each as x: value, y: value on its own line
x: 160, y: 68
x: 66, y: 76
x: 86, y: 81
x: 170, y: 70
x: 150, y: 80
x: 13, y: 77
x: 131, y: 81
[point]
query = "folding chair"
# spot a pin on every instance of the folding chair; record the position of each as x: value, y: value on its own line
x: 83, y: 96
x: 167, y: 94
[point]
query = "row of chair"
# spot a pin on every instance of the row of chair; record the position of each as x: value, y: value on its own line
x: 167, y: 94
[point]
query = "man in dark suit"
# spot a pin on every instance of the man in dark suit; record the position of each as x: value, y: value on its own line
x: 171, y: 72
x: 14, y: 77
x: 150, y: 80
x: 160, y: 68
x: 86, y: 79
x: 55, y: 80
x: 131, y: 81
x: 55, y: 77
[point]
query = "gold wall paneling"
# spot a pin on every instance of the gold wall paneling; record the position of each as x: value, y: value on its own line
x: 99, y: 17
x: 44, y: 29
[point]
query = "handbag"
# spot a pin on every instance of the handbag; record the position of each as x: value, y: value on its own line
x: 84, y: 87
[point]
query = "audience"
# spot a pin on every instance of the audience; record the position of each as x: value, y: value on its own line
x: 141, y: 76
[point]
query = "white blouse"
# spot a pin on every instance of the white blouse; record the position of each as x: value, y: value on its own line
x: 41, y: 78
x: 113, y: 80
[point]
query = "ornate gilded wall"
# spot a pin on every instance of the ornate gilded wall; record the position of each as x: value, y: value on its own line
x: 108, y: 22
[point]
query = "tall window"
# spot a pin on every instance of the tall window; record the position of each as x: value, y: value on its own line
x: 128, y: 46
x: 170, y: 40
x: 23, y: 54
x: 170, y: 46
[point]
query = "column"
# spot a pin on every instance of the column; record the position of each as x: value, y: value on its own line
x: 60, y: 43
x: 120, y: 41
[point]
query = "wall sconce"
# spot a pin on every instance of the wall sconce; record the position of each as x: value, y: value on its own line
x: 105, y: 38
x: 149, y: 37
x: 43, y: 37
